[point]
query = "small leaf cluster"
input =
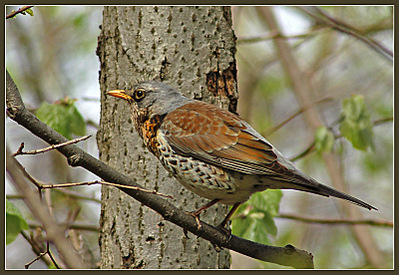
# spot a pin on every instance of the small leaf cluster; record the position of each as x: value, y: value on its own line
x: 62, y: 116
x: 254, y: 218
x: 15, y: 222
x: 354, y: 124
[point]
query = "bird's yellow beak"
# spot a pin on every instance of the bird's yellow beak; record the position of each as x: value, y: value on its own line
x: 119, y: 93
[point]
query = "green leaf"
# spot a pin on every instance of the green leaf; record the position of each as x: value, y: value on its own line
x: 29, y: 11
x: 267, y: 201
x: 253, y: 227
x: 15, y: 222
x: 324, y: 140
x: 254, y: 219
x: 356, y: 124
x: 63, y: 117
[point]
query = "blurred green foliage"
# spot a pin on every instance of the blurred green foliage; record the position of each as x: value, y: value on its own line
x: 253, y: 220
x: 324, y: 140
x: 15, y: 222
x: 62, y: 116
x: 356, y: 124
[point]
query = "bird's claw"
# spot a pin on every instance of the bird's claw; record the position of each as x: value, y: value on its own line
x: 196, y: 216
x: 185, y: 232
x: 226, y: 231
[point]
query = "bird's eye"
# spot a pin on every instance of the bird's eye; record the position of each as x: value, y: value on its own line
x: 139, y: 95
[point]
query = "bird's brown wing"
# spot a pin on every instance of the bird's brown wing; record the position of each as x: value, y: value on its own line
x: 218, y: 137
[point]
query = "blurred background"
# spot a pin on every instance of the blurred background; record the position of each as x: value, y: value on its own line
x: 52, y: 55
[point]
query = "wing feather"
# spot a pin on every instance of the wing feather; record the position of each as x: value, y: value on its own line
x: 231, y: 143
x: 227, y: 142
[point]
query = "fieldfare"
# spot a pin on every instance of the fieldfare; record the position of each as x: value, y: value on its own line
x: 211, y: 151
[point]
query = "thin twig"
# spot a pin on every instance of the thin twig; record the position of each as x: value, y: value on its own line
x: 37, y: 183
x: 300, y: 111
x: 51, y: 255
x: 70, y: 184
x: 324, y: 18
x: 14, y: 197
x: 66, y: 192
x: 54, y: 232
x: 35, y: 247
x: 41, y: 185
x: 274, y: 34
x: 41, y: 255
x: 20, y: 10
x: 77, y: 195
x: 336, y: 221
x: 382, y: 120
x: 305, y: 152
x: 52, y: 147
x: 75, y: 225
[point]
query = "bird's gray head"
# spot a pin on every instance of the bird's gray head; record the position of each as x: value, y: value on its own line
x: 152, y: 97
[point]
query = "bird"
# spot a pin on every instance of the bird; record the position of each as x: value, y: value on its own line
x: 211, y: 151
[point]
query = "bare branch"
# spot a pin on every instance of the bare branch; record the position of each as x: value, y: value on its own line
x: 41, y: 255
x: 305, y: 152
x: 336, y: 221
x: 69, y: 193
x: 71, y: 184
x: 51, y: 256
x: 37, y: 183
x: 37, y: 250
x: 75, y: 225
x: 322, y: 17
x: 77, y: 195
x: 52, y: 147
x: 300, y: 111
x: 382, y: 121
x: 273, y: 34
x: 55, y: 233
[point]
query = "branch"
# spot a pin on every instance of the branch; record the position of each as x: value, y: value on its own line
x: 77, y: 195
x: 41, y: 185
x: 336, y: 221
x: 75, y: 225
x: 71, y: 184
x: 273, y: 34
x: 300, y: 111
x: 55, y: 233
x: 322, y: 17
x: 44, y: 150
x: 20, y: 10
x: 37, y: 250
x: 68, y: 193
x: 288, y: 255
x: 42, y: 256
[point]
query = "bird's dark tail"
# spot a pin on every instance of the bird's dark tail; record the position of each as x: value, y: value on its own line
x: 308, y: 184
x: 328, y: 191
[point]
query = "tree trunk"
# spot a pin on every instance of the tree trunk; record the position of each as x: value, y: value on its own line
x: 192, y: 49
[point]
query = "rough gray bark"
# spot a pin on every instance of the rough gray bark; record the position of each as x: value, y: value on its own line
x: 192, y: 49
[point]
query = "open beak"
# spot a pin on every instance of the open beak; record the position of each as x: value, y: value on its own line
x: 119, y: 93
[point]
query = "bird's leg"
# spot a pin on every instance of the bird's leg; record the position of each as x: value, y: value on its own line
x: 227, y: 218
x: 197, y: 212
